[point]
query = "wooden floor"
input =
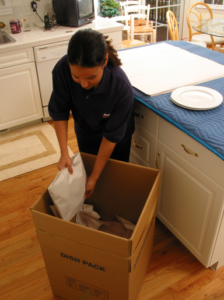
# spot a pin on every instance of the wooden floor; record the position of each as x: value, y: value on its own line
x: 174, y: 273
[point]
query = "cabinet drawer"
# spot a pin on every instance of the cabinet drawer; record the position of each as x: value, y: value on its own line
x: 14, y: 58
x: 191, y: 150
x: 134, y: 159
x: 144, y: 146
x: 146, y: 118
x: 140, y: 146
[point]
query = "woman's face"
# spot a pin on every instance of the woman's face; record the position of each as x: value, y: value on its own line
x: 88, y: 77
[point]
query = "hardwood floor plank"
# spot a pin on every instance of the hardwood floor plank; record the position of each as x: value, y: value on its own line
x: 20, y: 266
x: 203, y: 288
x: 28, y: 287
x: 15, y: 223
x: 219, y: 294
x: 31, y: 233
x: 185, y: 287
x: 221, y: 276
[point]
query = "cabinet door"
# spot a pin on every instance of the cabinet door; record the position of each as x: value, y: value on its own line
x: 20, y: 99
x: 190, y: 204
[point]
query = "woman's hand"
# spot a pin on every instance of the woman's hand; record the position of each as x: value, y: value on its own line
x: 65, y: 162
x: 106, y: 148
x: 90, y: 185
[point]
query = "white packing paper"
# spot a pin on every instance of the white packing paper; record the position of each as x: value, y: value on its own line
x: 67, y: 191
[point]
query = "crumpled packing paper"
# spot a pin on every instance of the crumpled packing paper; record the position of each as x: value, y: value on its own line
x: 90, y: 218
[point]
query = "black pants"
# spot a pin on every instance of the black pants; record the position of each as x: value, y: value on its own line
x: 121, y: 151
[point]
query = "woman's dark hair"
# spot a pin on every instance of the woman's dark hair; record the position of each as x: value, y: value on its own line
x: 88, y: 48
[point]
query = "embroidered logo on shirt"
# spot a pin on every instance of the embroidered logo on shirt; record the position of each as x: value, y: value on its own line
x: 106, y: 115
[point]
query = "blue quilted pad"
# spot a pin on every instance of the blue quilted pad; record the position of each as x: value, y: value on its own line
x: 205, y: 126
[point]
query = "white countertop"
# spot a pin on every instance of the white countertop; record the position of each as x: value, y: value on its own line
x: 38, y: 36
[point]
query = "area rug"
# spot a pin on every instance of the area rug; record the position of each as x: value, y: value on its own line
x: 27, y: 149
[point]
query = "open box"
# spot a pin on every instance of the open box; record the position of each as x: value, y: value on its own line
x: 83, y: 263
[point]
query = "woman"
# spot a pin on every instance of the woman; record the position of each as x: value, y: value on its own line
x: 89, y: 82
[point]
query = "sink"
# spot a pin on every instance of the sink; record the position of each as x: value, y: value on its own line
x: 6, y: 38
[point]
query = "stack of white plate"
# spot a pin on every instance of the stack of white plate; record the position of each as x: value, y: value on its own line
x: 196, y: 97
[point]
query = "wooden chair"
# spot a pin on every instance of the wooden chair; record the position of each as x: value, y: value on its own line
x: 132, y: 43
x: 143, y: 31
x: 129, y: 42
x: 173, y: 28
x: 127, y: 3
x: 197, y: 13
x: 124, y: 21
x: 219, y: 48
x: 172, y: 25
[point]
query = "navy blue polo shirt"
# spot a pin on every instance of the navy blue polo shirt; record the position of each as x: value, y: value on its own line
x: 105, y: 111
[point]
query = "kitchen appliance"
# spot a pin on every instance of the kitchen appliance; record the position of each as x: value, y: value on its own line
x: 74, y: 13
x: 47, y: 22
x: 46, y: 57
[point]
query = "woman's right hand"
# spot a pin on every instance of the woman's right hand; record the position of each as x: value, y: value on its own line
x: 65, y: 162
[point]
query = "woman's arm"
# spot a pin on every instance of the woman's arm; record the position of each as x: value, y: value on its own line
x: 105, y: 151
x: 61, y: 128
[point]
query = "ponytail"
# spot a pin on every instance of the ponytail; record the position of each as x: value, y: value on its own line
x: 113, y: 58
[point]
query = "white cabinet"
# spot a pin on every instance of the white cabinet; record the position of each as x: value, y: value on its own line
x: 190, y: 204
x: 20, y: 98
x: 144, y: 142
x: 191, y: 201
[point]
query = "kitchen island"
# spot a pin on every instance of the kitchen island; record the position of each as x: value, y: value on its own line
x: 188, y: 147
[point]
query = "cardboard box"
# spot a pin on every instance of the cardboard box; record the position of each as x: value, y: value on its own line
x: 83, y: 263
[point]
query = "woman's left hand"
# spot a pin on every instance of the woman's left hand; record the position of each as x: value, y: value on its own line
x: 90, y: 185
x: 106, y: 148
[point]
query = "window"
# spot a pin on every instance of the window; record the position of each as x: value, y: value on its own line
x: 216, y: 2
x: 217, y: 6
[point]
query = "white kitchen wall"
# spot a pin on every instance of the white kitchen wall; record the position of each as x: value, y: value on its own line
x: 22, y: 9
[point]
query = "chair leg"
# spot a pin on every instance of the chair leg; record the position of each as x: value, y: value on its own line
x: 217, y: 47
x: 154, y: 36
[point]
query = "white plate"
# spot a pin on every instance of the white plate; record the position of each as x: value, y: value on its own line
x: 196, y: 97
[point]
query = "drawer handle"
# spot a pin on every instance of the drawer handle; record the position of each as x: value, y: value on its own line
x: 4, y: 130
x: 138, y: 115
x: 137, y: 146
x: 189, y: 151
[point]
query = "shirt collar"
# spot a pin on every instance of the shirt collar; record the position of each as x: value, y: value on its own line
x: 104, y: 85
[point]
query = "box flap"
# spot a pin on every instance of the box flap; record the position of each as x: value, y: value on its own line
x: 148, y: 210
x: 147, y: 237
